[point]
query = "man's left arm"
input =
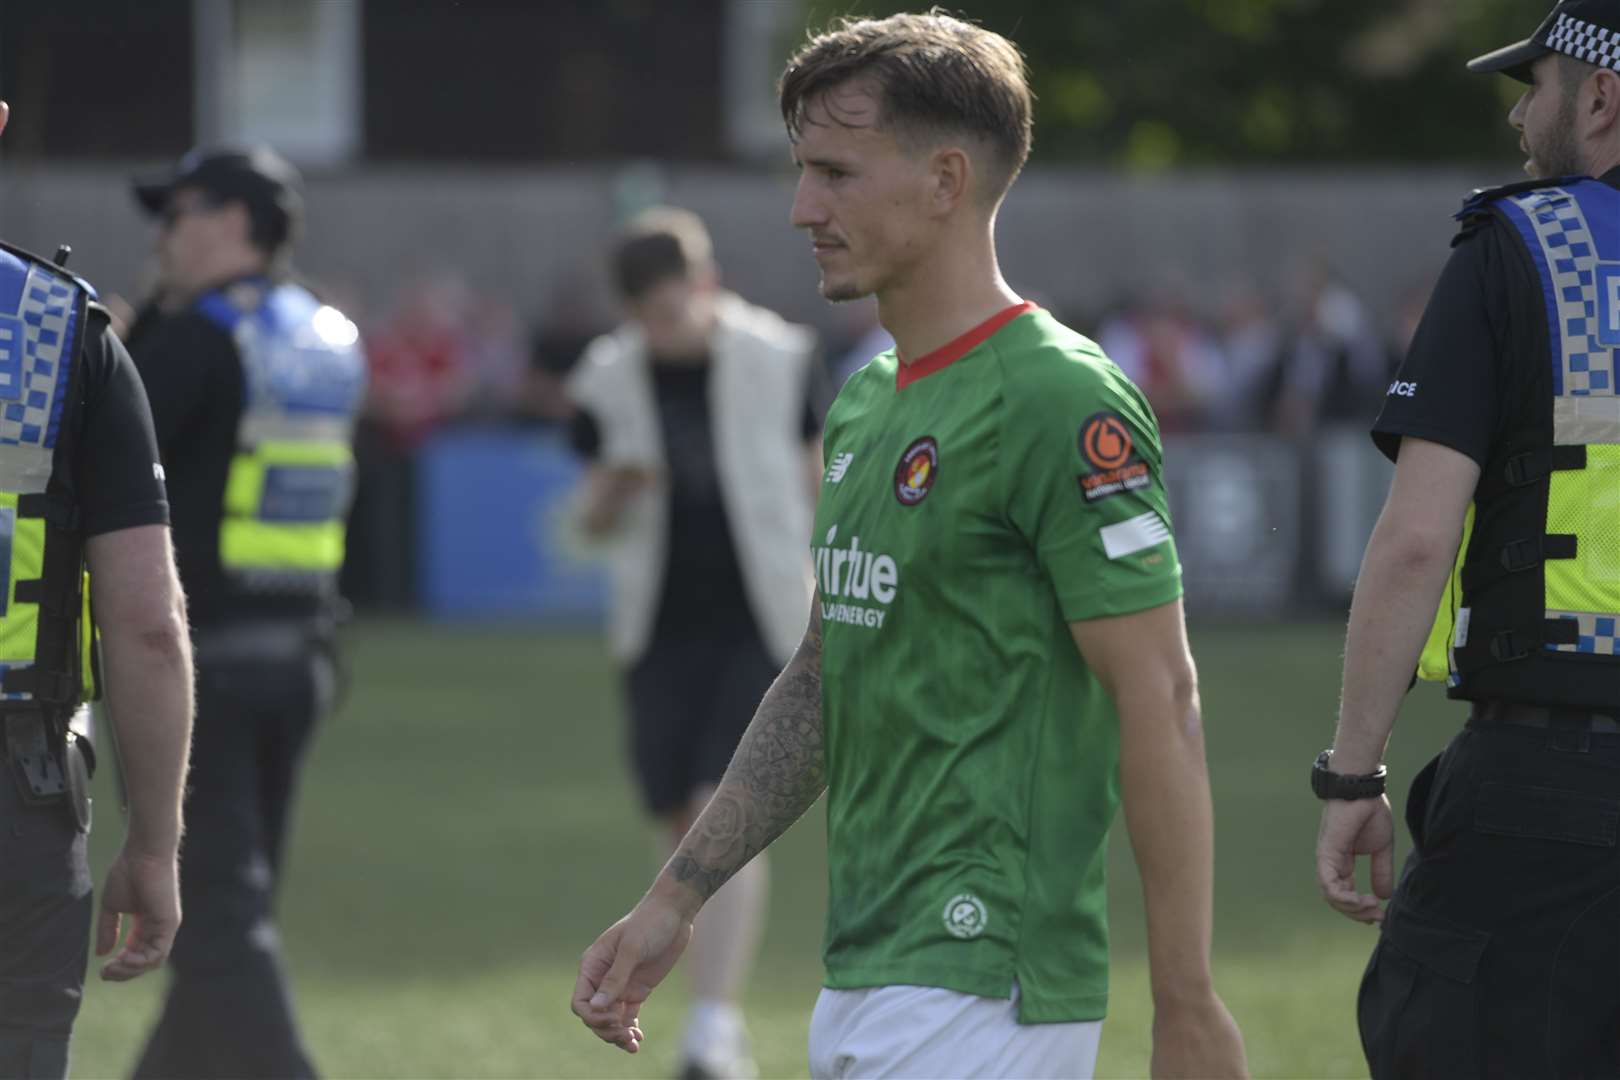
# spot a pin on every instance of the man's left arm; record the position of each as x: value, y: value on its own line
x: 1403, y: 575
x: 1143, y: 661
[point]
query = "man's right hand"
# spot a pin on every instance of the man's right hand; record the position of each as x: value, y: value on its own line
x: 621, y: 968
x: 1197, y: 1039
x: 147, y: 889
x: 608, y: 490
x: 1351, y: 828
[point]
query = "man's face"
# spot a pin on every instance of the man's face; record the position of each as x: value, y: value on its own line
x: 1545, y: 119
x: 192, y: 228
x: 861, y: 195
x: 676, y: 315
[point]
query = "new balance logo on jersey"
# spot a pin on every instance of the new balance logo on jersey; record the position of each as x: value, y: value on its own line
x: 839, y: 466
x: 848, y: 573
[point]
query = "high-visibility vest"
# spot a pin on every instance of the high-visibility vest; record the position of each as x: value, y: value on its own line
x: 291, y: 479
x: 47, y: 654
x: 1532, y: 611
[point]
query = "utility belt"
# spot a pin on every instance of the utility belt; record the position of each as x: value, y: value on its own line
x: 1506, y: 714
x: 262, y: 640
x: 50, y: 761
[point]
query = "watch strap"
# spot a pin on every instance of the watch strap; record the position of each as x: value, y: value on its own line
x: 1327, y: 784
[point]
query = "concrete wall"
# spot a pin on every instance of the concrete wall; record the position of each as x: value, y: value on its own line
x: 1076, y: 240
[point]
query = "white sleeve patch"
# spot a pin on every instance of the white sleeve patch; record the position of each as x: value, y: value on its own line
x: 1138, y: 534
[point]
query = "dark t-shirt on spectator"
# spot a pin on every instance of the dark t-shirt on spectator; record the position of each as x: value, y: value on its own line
x: 703, y: 585
x: 1480, y: 352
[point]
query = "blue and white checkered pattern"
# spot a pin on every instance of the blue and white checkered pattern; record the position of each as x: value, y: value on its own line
x: 1585, y: 41
x: 1566, y: 241
x: 1599, y: 634
x: 31, y: 376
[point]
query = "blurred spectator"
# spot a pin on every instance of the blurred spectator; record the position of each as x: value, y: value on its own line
x: 422, y: 374
x: 1167, y: 352
x: 698, y: 421
x: 1408, y: 313
x: 497, y: 360
x: 1251, y: 344
x: 1335, y: 366
x: 575, y: 316
x: 422, y: 361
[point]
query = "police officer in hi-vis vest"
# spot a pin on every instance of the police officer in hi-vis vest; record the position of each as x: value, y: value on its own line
x: 1499, y: 953
x: 80, y: 487
x: 255, y: 384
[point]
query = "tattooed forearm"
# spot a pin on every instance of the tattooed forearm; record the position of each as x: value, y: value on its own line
x: 777, y: 773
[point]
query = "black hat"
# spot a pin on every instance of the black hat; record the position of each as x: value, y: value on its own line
x: 260, y: 177
x: 1585, y: 29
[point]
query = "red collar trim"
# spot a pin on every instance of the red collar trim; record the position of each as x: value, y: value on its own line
x: 947, y: 354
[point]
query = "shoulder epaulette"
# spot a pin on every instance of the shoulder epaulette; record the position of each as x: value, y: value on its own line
x: 1481, y: 198
x: 29, y: 256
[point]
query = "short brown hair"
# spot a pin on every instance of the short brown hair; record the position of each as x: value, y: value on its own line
x: 938, y: 75
x: 657, y: 245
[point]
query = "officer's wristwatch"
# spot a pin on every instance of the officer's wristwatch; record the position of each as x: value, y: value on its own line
x: 1328, y: 784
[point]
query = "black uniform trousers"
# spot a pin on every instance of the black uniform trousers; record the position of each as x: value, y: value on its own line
x: 229, y: 1011
x: 45, y: 912
x: 1499, y: 954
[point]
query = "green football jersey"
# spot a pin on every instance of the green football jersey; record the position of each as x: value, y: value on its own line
x: 975, y: 502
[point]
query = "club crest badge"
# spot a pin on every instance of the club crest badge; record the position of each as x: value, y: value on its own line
x: 965, y: 916
x: 917, y: 471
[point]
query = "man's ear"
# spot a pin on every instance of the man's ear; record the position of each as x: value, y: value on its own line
x: 1602, y: 115
x: 5, y: 114
x: 951, y: 170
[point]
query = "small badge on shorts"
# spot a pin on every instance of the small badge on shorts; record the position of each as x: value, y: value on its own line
x: 965, y: 916
x: 917, y: 471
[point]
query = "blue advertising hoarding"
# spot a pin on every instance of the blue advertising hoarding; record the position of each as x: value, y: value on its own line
x: 492, y: 524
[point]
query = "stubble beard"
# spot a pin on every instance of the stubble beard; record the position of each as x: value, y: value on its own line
x: 838, y: 292
x: 1559, y: 154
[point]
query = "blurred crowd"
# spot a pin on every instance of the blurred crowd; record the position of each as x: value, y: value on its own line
x: 1282, y: 361
x: 1227, y: 357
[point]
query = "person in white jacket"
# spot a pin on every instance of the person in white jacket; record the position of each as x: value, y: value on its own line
x: 698, y: 417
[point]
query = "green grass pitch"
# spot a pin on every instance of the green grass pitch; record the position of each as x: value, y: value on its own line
x: 467, y: 827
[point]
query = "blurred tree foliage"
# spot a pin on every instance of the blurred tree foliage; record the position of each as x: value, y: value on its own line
x: 1152, y: 84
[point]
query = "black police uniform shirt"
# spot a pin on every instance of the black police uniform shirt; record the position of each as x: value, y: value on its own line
x: 115, y: 478
x: 1480, y: 351
x: 194, y: 378
x: 707, y: 595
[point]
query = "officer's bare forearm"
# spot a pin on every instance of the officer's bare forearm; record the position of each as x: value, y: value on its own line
x: 777, y: 773
x: 1403, y: 576
x: 1390, y: 615
x: 146, y: 654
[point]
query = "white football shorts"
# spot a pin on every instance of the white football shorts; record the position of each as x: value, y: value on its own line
x: 926, y: 1032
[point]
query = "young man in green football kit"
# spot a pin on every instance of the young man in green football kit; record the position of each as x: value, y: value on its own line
x: 997, y: 651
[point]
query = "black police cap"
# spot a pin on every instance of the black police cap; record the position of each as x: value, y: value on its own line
x: 258, y: 176
x: 1585, y: 29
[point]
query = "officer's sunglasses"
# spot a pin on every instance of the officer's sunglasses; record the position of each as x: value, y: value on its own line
x: 174, y: 210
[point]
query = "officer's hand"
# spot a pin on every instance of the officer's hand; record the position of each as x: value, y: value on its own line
x: 147, y: 889
x: 621, y: 968
x: 1351, y: 828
